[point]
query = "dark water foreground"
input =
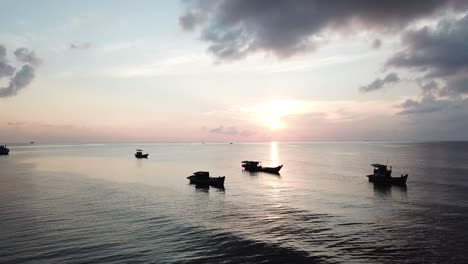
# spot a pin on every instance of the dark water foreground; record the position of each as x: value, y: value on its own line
x: 97, y: 204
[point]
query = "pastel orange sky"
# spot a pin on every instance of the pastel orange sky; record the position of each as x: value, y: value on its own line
x: 192, y: 71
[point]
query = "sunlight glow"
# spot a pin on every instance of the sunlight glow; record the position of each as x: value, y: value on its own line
x: 270, y: 113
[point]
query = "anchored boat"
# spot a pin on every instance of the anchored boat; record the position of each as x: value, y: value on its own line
x: 383, y: 175
x: 139, y: 154
x: 4, y: 150
x: 255, y: 166
x: 202, y: 178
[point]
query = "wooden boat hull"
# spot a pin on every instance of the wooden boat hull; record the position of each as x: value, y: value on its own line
x: 273, y: 170
x: 211, y: 181
x: 141, y: 156
x: 401, y: 181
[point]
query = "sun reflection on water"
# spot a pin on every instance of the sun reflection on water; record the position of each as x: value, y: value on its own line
x: 274, y: 154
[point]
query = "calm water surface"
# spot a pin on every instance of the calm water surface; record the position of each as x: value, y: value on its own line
x: 98, y: 204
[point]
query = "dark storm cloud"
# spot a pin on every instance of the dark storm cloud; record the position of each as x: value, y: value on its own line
x: 80, y: 46
x: 22, y: 77
x: 235, y: 29
x: 378, y: 83
x: 6, y: 70
x: 27, y: 56
x: 437, y: 52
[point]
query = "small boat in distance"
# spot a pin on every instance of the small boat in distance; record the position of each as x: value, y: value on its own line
x: 255, y: 166
x: 4, y: 150
x: 383, y: 176
x: 202, y: 178
x: 139, y: 154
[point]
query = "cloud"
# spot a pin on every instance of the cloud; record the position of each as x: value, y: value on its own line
x: 235, y: 29
x: 16, y: 123
x: 247, y: 133
x: 20, y: 80
x: 436, y: 52
x: 231, y: 131
x: 428, y: 87
x: 378, y: 83
x: 427, y: 104
x: 455, y: 87
x: 376, y: 44
x: 6, y: 70
x: 197, y: 13
x: 39, y: 125
x: 2, y: 53
x: 80, y: 46
x: 22, y: 77
x: 226, y: 131
x: 26, y: 56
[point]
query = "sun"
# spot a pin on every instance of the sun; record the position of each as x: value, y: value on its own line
x: 272, y: 122
x: 276, y: 124
x: 270, y: 114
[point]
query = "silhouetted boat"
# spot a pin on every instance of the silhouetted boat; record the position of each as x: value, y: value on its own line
x: 4, y: 150
x: 139, y: 154
x: 202, y: 178
x: 255, y: 166
x: 383, y: 176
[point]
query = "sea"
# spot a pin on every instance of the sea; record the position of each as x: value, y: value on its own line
x: 97, y: 203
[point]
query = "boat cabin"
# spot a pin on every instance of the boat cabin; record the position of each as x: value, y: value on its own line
x: 202, y: 174
x: 382, y: 170
x: 139, y: 154
x: 250, y: 163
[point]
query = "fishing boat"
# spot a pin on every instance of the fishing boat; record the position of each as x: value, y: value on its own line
x: 255, y: 166
x: 139, y: 154
x: 202, y: 178
x: 4, y: 150
x: 382, y: 175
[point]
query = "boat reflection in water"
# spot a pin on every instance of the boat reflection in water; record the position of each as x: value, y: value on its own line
x: 388, y: 190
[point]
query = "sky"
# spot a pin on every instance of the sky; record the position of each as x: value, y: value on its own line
x: 233, y: 71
